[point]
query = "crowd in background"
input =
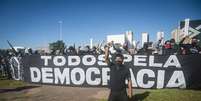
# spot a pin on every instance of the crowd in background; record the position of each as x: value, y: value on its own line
x: 4, y: 64
x: 185, y: 47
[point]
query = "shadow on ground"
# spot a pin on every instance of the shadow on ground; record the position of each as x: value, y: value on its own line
x: 140, y: 97
x: 17, y: 89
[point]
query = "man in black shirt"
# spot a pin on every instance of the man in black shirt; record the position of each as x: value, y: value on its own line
x: 119, y: 73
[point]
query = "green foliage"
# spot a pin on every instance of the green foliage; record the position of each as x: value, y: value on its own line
x: 167, y: 95
x: 58, y: 45
x: 11, y: 84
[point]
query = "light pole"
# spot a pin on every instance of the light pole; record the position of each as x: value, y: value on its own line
x: 60, y: 29
x: 91, y: 43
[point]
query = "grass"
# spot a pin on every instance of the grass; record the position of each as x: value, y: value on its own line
x: 149, y: 95
x: 167, y: 95
x: 12, y: 85
x: 173, y: 95
x: 9, y: 84
x: 5, y: 83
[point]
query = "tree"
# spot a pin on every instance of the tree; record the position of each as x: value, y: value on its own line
x: 57, y: 46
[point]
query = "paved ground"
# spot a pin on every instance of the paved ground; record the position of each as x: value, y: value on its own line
x: 56, y: 93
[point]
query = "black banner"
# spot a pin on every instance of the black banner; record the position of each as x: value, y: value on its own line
x: 147, y: 71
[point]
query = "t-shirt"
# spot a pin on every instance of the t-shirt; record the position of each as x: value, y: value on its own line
x: 118, y: 75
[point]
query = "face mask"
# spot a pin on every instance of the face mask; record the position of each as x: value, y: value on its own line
x: 194, y: 43
x: 118, y: 66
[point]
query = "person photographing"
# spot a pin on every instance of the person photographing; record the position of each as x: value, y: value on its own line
x: 119, y: 73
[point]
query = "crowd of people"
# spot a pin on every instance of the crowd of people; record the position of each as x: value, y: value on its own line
x: 170, y: 47
x: 185, y: 47
x: 4, y: 64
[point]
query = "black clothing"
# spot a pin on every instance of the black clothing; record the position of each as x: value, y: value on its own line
x: 191, y: 48
x: 118, y: 96
x: 119, y: 73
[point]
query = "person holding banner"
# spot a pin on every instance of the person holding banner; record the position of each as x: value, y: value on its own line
x: 119, y: 73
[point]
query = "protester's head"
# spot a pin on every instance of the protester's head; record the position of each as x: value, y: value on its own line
x: 172, y: 41
x: 168, y: 42
x: 110, y: 44
x: 94, y: 48
x: 30, y: 51
x: 194, y: 41
x: 119, y: 58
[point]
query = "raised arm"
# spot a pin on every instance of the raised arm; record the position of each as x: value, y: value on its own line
x: 107, y: 60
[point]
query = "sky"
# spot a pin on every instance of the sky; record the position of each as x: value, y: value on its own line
x: 35, y: 23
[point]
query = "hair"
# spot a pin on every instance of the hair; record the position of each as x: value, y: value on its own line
x: 119, y: 55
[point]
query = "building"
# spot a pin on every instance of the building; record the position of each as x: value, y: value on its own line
x: 160, y: 36
x: 175, y: 34
x: 122, y: 38
x: 186, y: 27
x: 182, y: 31
x: 145, y: 38
x: 190, y: 28
x: 129, y: 38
